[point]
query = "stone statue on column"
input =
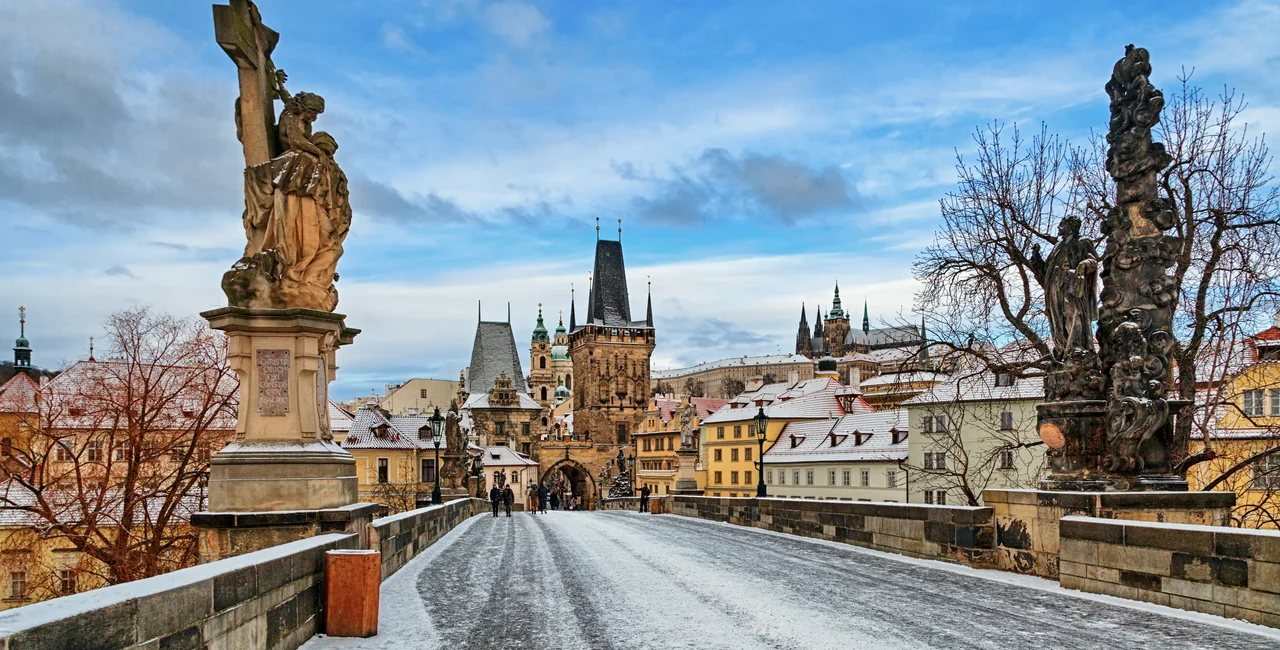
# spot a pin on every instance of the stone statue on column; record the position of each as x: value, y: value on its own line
x: 686, y: 426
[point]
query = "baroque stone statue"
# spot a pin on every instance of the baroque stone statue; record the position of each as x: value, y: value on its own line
x: 1070, y: 280
x: 686, y: 427
x: 297, y: 212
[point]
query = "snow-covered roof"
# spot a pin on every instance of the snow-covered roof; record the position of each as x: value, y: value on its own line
x: 898, y: 336
x: 897, y: 378
x: 866, y: 436
x: 980, y: 386
x: 492, y: 353
x: 400, y: 431
x: 18, y: 395
x: 83, y: 395
x: 504, y: 456
x: 744, y: 361
x: 339, y: 420
x: 481, y: 401
x: 810, y: 399
x: 67, y: 506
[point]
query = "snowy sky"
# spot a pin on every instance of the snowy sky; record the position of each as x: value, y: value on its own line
x: 756, y: 151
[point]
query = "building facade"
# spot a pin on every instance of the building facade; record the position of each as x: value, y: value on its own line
x: 856, y: 457
x: 659, y: 437
x: 716, y: 379
x: 395, y: 457
x: 419, y: 396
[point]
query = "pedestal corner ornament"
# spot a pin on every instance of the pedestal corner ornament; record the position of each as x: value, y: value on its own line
x: 1109, y: 409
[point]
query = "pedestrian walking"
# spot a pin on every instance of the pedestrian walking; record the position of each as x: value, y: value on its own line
x: 542, y: 499
x: 508, y: 498
x: 644, y: 498
x: 555, y: 500
x: 531, y: 502
x: 495, y: 499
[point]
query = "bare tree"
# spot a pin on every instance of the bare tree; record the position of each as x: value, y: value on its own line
x: 115, y: 454
x: 730, y: 387
x: 694, y: 388
x: 397, y: 497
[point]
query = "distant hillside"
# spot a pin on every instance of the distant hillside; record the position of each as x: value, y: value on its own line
x: 7, y: 370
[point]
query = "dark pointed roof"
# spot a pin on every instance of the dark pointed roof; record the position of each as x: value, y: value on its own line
x: 648, y: 310
x: 609, y: 303
x: 866, y: 318
x: 573, y: 316
x: 493, y: 353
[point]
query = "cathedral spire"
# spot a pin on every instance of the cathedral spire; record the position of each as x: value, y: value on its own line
x: 648, y: 314
x: 836, y: 311
x: 540, y: 330
x: 804, y: 345
x: 573, y: 320
x: 866, y: 319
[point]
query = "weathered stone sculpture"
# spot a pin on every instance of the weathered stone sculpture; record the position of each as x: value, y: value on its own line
x: 1107, y: 415
x: 296, y: 212
x: 686, y: 427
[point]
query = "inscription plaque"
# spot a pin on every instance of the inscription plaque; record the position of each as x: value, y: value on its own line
x: 273, y: 383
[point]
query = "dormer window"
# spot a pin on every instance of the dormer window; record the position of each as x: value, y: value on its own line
x: 837, y: 439
x: 796, y: 441
x: 898, y: 435
x: 75, y: 411
x: 1004, y: 379
x: 381, y: 430
x: 424, y: 432
x: 860, y: 437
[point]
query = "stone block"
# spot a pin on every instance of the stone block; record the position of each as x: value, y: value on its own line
x: 1139, y: 580
x: 1196, y: 605
x: 1264, y: 576
x: 1071, y: 581
x: 1014, y: 533
x: 1045, y: 537
x: 1074, y: 569
x: 1075, y: 550
x: 231, y: 589
x: 1253, y: 616
x: 187, y: 639
x: 175, y: 609
x: 1143, y: 560
x: 1187, y: 589
x: 114, y: 626
x: 1092, y: 530
x: 1226, y: 595
x: 1175, y: 539
x: 939, y: 532
x: 1258, y: 600
x: 252, y: 634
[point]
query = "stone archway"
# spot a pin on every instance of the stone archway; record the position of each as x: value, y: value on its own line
x: 577, y: 476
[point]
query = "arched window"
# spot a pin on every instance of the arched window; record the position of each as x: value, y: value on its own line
x: 544, y: 420
x: 544, y: 393
x: 568, y: 382
x: 542, y: 363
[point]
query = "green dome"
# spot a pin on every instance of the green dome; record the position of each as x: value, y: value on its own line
x: 562, y: 393
x: 22, y: 343
x: 540, y: 332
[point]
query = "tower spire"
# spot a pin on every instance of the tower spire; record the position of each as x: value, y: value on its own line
x: 22, y: 347
x: 479, y: 313
x: 619, y: 230
x: 866, y: 318
x: 648, y: 313
x: 91, y: 349
x: 573, y: 318
x: 597, y: 228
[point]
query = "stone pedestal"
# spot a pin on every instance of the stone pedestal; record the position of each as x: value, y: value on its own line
x: 283, y: 461
x: 1027, y: 520
x: 1076, y: 434
x: 686, y: 477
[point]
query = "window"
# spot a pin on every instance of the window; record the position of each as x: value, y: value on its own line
x: 1275, y: 400
x: 845, y: 479
x: 746, y: 453
x: 733, y: 455
x: 935, y: 497
x: 17, y: 585
x: 733, y: 478
x: 719, y: 432
x: 427, y: 470
x: 782, y: 477
x: 422, y: 393
x: 122, y: 450
x: 542, y: 363
x: 808, y: 477
x: 1006, y: 459
x: 544, y: 393
x: 935, y: 460
x: 768, y: 477
x: 719, y: 479
x: 795, y: 477
x: 67, y: 581
x: 831, y: 477
x: 1253, y: 402
x: 1266, y: 473
x: 746, y: 478
x: 383, y: 470
x: 647, y: 445
x: 737, y: 430
x: 524, y: 429
x: 891, y: 479
x: 622, y: 433
x: 718, y: 455
x: 926, y: 424
x: 864, y: 477
x: 65, y: 449
x: 1004, y: 379
x: 751, y: 429
x: 1006, y: 420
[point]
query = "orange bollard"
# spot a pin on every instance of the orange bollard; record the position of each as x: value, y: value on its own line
x: 352, y: 580
x: 655, y: 506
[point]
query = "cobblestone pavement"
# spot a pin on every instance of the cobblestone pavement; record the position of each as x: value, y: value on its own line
x: 624, y: 580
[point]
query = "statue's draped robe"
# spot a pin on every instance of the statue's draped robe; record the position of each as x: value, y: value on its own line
x: 1071, y: 296
x: 296, y: 204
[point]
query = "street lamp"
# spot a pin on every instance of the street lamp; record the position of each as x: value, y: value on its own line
x: 436, y: 422
x: 762, y: 424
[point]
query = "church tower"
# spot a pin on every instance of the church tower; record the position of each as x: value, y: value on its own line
x: 836, y: 327
x: 610, y: 354
x: 804, y: 344
x: 541, y: 377
x: 22, y: 347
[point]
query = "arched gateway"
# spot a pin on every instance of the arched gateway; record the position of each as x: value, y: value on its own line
x: 576, y: 476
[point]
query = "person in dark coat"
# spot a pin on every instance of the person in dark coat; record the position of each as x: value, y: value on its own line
x: 495, y: 499
x: 542, y: 498
x: 508, y: 498
x: 555, y: 500
x: 644, y: 498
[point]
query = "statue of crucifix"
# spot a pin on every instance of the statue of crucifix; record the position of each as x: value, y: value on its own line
x: 239, y: 31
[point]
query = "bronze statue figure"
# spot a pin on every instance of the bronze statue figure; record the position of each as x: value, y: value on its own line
x: 1070, y: 280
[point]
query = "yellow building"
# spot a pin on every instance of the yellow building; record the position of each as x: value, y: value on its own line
x: 419, y: 396
x: 659, y: 438
x: 892, y: 389
x: 395, y: 457
x: 1248, y: 423
x: 729, y: 448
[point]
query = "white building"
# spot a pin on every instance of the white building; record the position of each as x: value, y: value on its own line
x: 856, y: 457
x: 974, y: 432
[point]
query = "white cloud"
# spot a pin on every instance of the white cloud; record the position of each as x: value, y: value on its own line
x: 518, y: 23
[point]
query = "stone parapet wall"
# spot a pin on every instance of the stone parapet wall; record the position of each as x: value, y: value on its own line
x: 266, y: 599
x: 402, y: 537
x: 1026, y: 521
x: 1229, y: 572
x: 953, y: 533
x: 633, y: 504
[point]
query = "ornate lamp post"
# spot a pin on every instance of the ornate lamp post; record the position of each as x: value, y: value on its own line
x: 477, y: 471
x: 762, y: 424
x: 437, y: 421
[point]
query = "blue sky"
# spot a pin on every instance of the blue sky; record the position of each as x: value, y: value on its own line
x: 756, y: 151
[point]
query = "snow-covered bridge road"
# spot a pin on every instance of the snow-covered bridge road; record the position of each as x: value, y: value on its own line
x: 623, y: 580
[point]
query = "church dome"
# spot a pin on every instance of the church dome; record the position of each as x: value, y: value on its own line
x: 562, y: 393
x: 22, y: 342
x: 540, y: 331
x: 559, y: 353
